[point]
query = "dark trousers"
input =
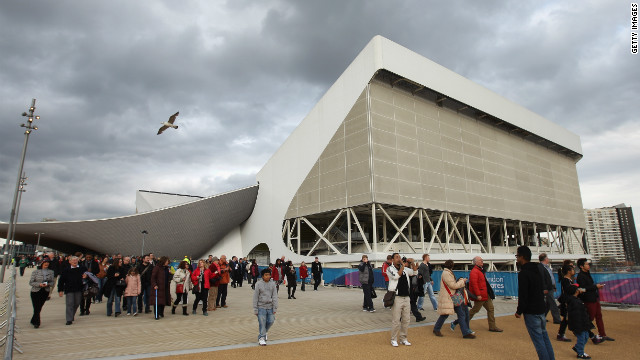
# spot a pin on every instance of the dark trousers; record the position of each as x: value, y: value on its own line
x: 316, y: 278
x: 204, y: 296
x: 181, y: 297
x: 22, y: 271
x: 302, y: 284
x: 552, y: 306
x: 37, y: 300
x: 564, y: 322
x: 144, y: 298
x: 367, y: 303
x: 255, y: 280
x: 413, y: 300
x: 239, y: 280
x: 85, y: 304
x: 221, y: 299
x: 291, y: 289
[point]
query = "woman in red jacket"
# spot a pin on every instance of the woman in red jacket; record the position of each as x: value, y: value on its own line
x: 200, y: 280
x: 276, y: 274
x: 304, y: 273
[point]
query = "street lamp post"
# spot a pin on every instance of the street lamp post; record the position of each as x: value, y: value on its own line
x: 144, y: 233
x: 38, y: 244
x: 12, y: 246
x: 29, y: 128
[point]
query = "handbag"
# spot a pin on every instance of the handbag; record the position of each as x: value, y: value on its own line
x: 121, y: 283
x: 180, y: 288
x: 312, y: 281
x: 91, y: 291
x: 457, y: 297
x: 389, y: 298
x: 196, y: 289
x: 373, y: 293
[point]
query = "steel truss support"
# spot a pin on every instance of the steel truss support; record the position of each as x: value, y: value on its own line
x: 418, y: 229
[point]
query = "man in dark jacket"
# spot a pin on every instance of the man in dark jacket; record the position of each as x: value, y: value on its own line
x: 366, y: 281
x: 316, y: 271
x: 145, y: 268
x: 531, y: 303
x: 93, y: 267
x: 591, y: 296
x: 579, y: 321
x: 70, y: 284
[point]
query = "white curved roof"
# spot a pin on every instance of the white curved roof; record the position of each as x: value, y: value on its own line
x: 198, y: 224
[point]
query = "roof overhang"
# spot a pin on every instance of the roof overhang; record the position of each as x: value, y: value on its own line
x: 191, y: 228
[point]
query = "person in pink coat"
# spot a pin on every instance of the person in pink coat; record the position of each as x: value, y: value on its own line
x: 133, y: 289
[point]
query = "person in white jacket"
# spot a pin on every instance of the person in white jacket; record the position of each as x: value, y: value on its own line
x: 399, y: 282
x: 182, y: 277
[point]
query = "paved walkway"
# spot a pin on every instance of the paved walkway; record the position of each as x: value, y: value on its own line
x: 325, y: 313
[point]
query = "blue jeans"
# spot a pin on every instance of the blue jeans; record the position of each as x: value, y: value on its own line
x: 113, y: 296
x: 100, y: 285
x: 266, y: 318
x: 428, y: 290
x: 581, y: 341
x: 537, y: 327
x: 132, y: 304
x: 463, y: 318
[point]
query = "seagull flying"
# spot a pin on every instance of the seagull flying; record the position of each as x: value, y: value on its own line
x: 168, y: 124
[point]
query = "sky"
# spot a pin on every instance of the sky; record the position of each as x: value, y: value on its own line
x: 243, y: 74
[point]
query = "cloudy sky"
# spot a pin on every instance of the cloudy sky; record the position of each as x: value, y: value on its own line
x: 243, y: 74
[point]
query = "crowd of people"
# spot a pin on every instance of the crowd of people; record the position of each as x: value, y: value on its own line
x: 137, y: 284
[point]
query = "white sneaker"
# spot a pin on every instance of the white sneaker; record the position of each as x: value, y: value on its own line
x: 405, y: 342
x: 394, y: 343
x: 262, y: 342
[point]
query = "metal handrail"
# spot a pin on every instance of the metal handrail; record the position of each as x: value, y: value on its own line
x: 10, y: 342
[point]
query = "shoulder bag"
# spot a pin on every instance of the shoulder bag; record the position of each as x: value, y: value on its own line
x: 389, y: 298
x: 457, y: 297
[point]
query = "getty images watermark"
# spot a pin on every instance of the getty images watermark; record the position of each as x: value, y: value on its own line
x: 634, y: 28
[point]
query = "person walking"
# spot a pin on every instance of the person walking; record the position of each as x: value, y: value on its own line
x: 425, y: 270
x: 292, y: 282
x: 452, y: 298
x: 200, y: 280
x: 115, y: 285
x: 531, y: 303
x: 316, y: 271
x: 225, y: 279
x: 214, y: 281
x: 160, y: 278
x: 366, y: 281
x: 276, y: 274
x: 579, y: 322
x: 41, y: 282
x: 480, y: 287
x: 180, y: 285
x: 265, y: 305
x: 591, y: 297
x: 550, y: 291
x: 145, y: 268
x: 255, y: 273
x: 70, y: 284
x: 133, y: 289
x: 304, y: 274
x: 401, y: 309
x: 94, y: 268
x: 23, y: 263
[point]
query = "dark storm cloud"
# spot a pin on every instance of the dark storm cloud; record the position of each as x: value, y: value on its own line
x: 243, y: 74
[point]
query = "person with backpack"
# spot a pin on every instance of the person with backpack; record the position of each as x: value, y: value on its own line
x: 481, y: 293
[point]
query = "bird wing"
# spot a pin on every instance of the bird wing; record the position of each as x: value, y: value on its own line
x: 162, y: 129
x: 173, y: 117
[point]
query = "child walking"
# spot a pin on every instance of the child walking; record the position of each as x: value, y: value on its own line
x: 133, y: 289
x: 265, y: 304
x: 579, y: 322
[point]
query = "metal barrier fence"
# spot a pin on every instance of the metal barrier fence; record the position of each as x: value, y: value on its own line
x: 8, y: 316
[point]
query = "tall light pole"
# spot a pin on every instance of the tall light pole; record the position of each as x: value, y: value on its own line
x: 38, y: 244
x: 29, y: 128
x: 23, y: 183
x: 144, y: 233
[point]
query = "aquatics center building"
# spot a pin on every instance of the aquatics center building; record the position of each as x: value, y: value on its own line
x: 399, y: 155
